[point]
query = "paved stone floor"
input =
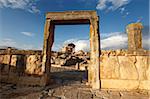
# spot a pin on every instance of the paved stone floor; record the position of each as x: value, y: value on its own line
x: 69, y: 84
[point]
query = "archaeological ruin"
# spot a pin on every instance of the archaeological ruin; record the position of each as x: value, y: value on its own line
x: 122, y: 69
x: 76, y: 17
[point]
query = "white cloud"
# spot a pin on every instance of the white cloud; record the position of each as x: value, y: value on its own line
x: 56, y: 47
x: 28, y: 5
x: 33, y: 9
x: 125, y: 14
x: 122, y: 10
x: 146, y: 44
x: 8, y: 42
x: 101, y: 4
x: 111, y: 5
x: 27, y: 34
x: 118, y: 40
x: 114, y: 40
x: 80, y: 44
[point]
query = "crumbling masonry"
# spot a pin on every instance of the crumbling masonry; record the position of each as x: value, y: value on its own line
x: 118, y: 69
x: 74, y: 17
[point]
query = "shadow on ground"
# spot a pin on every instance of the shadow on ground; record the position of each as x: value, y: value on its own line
x: 60, y: 77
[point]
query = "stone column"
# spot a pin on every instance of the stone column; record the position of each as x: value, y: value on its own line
x: 48, y: 41
x: 134, y: 31
x: 94, y: 67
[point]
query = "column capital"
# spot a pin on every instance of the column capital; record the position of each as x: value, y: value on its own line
x: 134, y: 26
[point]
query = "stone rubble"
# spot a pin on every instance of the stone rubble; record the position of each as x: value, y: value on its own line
x: 70, y: 58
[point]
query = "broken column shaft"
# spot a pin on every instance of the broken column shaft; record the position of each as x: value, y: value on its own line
x: 134, y: 31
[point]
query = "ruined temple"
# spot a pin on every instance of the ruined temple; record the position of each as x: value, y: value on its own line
x: 112, y: 69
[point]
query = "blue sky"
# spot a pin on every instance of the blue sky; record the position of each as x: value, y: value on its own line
x: 22, y: 22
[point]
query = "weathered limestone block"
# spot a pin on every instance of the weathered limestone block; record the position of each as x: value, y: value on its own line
x: 119, y: 84
x: 5, y: 61
x: 109, y: 67
x: 127, y: 67
x: 13, y: 64
x: 34, y: 65
x: 17, y: 64
x: 148, y: 69
x: 144, y: 84
x: 141, y: 65
x: 14, y: 60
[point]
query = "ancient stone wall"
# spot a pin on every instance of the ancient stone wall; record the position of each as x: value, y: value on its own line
x: 118, y: 69
x: 21, y: 67
x: 121, y: 70
x: 26, y: 61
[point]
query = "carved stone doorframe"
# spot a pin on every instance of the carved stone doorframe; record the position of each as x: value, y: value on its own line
x: 74, y: 17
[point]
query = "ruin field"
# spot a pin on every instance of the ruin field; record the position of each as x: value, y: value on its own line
x: 69, y: 84
x: 77, y: 74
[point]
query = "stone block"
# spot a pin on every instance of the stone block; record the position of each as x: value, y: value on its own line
x: 33, y: 64
x: 109, y: 67
x: 128, y: 68
x: 141, y: 65
x: 6, y: 59
x: 145, y: 84
x: 119, y: 84
x: 14, y: 60
x: 6, y: 62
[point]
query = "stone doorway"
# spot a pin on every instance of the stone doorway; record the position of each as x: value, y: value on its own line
x: 74, y: 17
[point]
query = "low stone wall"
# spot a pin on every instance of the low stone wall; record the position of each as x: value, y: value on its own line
x: 22, y: 67
x: 28, y: 62
x: 120, y: 69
